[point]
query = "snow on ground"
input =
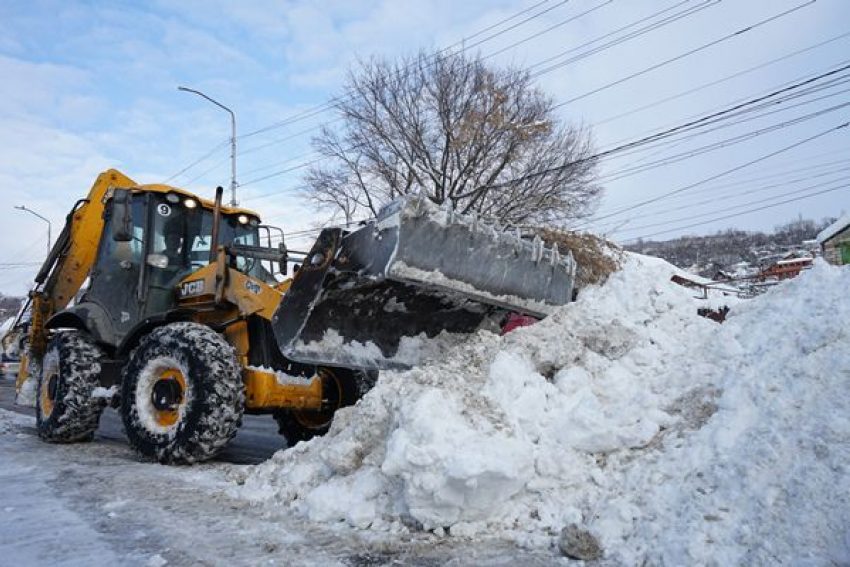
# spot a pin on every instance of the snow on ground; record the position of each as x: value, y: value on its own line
x: 672, y: 439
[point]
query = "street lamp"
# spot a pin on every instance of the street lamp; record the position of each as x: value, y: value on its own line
x: 23, y: 208
x: 232, y: 141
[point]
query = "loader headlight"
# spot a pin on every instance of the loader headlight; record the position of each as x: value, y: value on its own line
x: 190, y: 203
x: 243, y: 219
x: 172, y: 198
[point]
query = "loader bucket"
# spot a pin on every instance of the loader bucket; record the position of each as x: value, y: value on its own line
x: 408, y: 283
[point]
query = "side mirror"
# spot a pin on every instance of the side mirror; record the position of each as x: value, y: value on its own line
x: 284, y: 257
x: 122, y: 220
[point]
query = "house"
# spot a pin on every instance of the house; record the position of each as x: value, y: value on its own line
x: 834, y: 241
x: 787, y: 268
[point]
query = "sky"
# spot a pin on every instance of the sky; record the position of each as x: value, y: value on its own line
x: 92, y: 85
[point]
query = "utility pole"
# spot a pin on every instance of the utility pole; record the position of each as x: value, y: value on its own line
x: 232, y: 142
x: 24, y: 208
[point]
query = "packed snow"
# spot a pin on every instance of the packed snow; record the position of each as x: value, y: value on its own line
x: 667, y: 437
x: 411, y: 351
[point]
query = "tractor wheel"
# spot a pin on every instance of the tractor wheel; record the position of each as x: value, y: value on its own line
x: 341, y: 388
x: 182, y: 395
x: 65, y: 409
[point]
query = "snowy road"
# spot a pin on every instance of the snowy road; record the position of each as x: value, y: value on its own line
x: 257, y: 440
x: 96, y: 504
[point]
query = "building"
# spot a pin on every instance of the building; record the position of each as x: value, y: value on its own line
x: 787, y: 268
x: 834, y: 241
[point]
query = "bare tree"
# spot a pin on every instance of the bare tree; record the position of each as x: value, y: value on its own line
x: 477, y: 138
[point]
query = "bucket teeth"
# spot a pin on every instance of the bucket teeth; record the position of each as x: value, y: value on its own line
x: 556, y: 255
x: 537, y: 249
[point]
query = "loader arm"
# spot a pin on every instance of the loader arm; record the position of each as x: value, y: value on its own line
x: 70, y: 260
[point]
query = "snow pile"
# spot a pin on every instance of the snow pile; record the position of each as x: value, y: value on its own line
x: 672, y: 439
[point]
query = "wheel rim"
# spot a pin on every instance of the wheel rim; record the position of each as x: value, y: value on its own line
x: 47, y: 396
x: 168, y: 396
x: 317, y: 420
x: 163, y: 395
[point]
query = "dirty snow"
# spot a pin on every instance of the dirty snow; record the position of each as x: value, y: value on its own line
x: 670, y: 438
x: 27, y: 394
x: 436, y: 278
x: 412, y: 350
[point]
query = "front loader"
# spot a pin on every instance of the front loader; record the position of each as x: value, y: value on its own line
x: 187, y: 322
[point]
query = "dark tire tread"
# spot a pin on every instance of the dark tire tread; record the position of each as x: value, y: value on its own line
x: 213, y: 413
x: 76, y: 413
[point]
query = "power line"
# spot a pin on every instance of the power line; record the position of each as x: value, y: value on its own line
x: 330, y: 104
x: 724, y: 173
x: 737, y: 214
x: 462, y: 43
x: 620, y: 40
x: 777, y: 96
x: 690, y: 125
x: 632, y: 35
x: 635, y: 169
x: 718, y: 81
x: 681, y: 56
x: 204, y: 157
x: 758, y: 101
x: 732, y: 190
x: 547, y: 30
x: 841, y: 180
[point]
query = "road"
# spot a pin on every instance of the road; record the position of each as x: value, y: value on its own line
x: 256, y: 441
x: 91, y: 504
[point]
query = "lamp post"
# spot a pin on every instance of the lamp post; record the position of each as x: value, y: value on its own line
x: 232, y: 141
x: 24, y: 208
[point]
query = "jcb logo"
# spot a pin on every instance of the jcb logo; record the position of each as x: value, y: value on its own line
x: 195, y: 287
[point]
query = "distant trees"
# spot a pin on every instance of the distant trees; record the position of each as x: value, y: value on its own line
x: 728, y: 247
x: 474, y: 137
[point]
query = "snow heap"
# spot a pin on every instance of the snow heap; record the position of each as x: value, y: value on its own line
x: 672, y: 439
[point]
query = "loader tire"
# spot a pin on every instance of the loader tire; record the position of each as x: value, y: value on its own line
x: 65, y: 410
x: 182, y: 394
x: 342, y: 387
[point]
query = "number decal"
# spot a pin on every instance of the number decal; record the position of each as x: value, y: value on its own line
x: 252, y: 287
x: 163, y: 210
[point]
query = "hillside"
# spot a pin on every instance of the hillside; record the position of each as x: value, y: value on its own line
x: 731, y: 250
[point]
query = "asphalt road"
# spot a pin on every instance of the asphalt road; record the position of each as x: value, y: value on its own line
x: 98, y: 504
x: 256, y: 441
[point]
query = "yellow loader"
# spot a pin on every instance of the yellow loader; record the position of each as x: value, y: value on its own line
x: 186, y: 321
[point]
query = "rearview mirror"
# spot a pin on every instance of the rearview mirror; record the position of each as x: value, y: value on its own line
x: 122, y: 221
x: 284, y: 257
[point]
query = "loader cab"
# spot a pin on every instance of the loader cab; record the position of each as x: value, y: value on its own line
x: 151, y: 240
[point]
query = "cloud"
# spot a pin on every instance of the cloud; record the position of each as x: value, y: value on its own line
x: 46, y: 92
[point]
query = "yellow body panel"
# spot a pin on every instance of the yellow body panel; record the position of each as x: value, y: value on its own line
x: 262, y: 391
x: 222, y: 284
x: 23, y: 372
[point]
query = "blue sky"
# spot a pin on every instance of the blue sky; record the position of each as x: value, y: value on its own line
x: 93, y: 85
